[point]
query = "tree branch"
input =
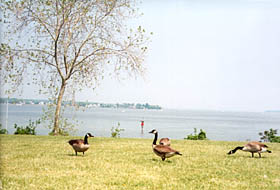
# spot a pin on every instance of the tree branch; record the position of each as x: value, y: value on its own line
x: 36, y: 17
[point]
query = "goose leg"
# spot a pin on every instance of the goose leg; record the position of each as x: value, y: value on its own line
x: 252, y: 155
x: 76, y: 153
x: 163, y: 158
x: 260, y: 155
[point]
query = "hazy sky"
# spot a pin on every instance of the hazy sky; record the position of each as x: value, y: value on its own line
x: 205, y: 54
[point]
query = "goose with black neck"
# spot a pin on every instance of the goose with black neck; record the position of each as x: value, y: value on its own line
x: 80, y: 145
x: 163, y: 151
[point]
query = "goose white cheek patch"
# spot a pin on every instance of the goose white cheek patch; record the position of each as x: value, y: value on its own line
x: 263, y: 150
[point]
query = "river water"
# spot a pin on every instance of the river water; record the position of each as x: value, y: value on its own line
x: 175, y: 124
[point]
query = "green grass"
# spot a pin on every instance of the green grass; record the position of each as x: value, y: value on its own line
x: 46, y: 162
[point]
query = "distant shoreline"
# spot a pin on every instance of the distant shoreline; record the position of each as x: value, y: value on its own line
x: 17, y: 101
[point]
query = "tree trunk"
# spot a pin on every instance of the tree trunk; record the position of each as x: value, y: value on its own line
x: 58, y: 108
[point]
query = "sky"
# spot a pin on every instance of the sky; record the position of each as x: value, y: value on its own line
x: 204, y: 54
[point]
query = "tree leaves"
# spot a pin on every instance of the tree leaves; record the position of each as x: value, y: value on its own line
x: 73, y: 42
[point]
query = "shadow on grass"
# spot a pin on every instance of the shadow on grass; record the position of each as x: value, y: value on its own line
x: 74, y: 155
x: 245, y: 157
x: 159, y: 160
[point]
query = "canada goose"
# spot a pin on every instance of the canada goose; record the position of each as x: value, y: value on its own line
x: 80, y: 145
x: 162, y: 151
x: 165, y: 141
x: 253, y: 147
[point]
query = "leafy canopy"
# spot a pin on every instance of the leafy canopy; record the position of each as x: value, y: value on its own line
x: 73, y: 41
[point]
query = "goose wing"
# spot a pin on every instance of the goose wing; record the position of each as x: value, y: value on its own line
x: 162, y: 149
x: 261, y: 144
x: 252, y: 146
x: 76, y: 141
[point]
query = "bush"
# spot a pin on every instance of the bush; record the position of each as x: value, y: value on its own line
x: 270, y: 136
x: 28, y: 130
x: 61, y: 132
x: 200, y: 136
x: 116, y: 132
x: 3, y: 131
x: 275, y: 139
x: 66, y: 126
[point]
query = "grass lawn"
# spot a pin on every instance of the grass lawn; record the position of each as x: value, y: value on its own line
x: 47, y: 162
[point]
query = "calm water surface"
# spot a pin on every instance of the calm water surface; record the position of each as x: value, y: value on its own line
x: 175, y: 124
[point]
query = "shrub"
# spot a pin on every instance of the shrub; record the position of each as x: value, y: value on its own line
x: 269, y: 136
x: 66, y: 126
x: 116, y: 132
x: 27, y: 130
x: 275, y: 139
x: 200, y: 136
x: 61, y: 132
x: 3, y: 131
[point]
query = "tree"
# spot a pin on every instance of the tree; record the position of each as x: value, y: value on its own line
x: 69, y: 44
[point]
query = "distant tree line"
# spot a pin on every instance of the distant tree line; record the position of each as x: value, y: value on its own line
x: 19, y: 101
x: 147, y: 106
x: 82, y: 104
